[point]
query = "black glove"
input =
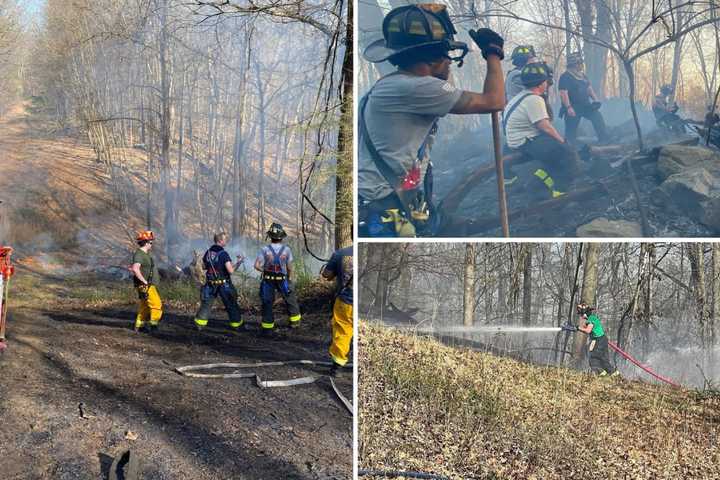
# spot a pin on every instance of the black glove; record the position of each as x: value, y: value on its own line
x: 489, y: 42
x: 595, y: 105
x: 143, y: 291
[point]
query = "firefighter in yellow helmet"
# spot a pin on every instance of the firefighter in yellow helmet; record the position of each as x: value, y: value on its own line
x: 340, y: 268
x: 145, y: 273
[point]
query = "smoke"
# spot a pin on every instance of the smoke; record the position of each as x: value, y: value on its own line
x: 689, y: 366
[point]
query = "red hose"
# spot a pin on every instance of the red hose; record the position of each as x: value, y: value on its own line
x: 647, y: 369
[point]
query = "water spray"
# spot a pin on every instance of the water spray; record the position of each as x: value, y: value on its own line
x: 496, y: 329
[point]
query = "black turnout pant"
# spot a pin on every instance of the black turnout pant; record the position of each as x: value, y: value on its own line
x: 595, y: 117
x: 560, y: 159
x: 600, y: 356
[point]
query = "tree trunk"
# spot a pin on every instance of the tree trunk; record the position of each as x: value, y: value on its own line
x: 697, y: 274
x: 344, y: 175
x: 469, y: 285
x: 588, y: 295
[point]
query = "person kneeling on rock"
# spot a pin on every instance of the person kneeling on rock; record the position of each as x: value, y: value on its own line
x: 598, y: 348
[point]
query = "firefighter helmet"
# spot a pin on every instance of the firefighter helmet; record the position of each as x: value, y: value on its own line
x: 666, y: 89
x: 276, y: 232
x: 412, y: 26
x: 575, y: 58
x: 533, y: 74
x: 521, y: 54
x: 145, y: 235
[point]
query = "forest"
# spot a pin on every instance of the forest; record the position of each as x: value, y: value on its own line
x: 660, y: 301
x: 630, y: 49
x: 201, y: 115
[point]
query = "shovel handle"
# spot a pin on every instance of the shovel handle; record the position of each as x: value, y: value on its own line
x: 502, y: 202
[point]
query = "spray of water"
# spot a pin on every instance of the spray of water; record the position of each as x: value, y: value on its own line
x: 487, y: 329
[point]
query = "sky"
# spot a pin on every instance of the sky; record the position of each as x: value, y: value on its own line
x: 32, y: 10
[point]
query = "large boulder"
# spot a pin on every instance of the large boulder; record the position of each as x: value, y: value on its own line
x: 673, y: 159
x: 602, y: 227
x: 691, y: 182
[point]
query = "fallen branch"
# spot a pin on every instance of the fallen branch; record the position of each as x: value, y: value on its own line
x: 458, y: 193
x: 467, y: 226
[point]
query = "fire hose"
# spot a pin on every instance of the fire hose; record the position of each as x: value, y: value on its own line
x: 6, y: 271
x: 188, y: 372
x: 629, y: 357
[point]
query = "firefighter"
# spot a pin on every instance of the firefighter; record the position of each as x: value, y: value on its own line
x: 275, y: 263
x: 398, y: 117
x: 528, y: 129
x: 598, y: 347
x: 666, y: 113
x: 340, y: 268
x: 521, y: 56
x: 218, y: 268
x: 145, y: 274
x: 579, y: 100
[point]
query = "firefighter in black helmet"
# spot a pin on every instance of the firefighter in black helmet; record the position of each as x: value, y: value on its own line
x: 275, y: 263
x: 398, y: 117
x: 527, y: 126
x: 521, y: 56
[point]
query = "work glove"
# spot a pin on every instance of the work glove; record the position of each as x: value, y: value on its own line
x: 595, y: 105
x: 143, y: 291
x: 489, y: 42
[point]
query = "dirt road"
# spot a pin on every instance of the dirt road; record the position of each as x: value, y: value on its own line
x: 77, y: 384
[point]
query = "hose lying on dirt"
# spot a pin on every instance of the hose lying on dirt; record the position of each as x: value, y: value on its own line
x: 397, y: 473
x: 187, y: 371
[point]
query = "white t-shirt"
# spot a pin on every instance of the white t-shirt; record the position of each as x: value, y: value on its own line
x: 520, y: 125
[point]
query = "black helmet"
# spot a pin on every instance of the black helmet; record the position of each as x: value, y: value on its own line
x: 413, y: 26
x: 666, y: 89
x: 533, y: 74
x: 584, y: 309
x: 521, y: 54
x: 575, y: 58
x: 276, y: 232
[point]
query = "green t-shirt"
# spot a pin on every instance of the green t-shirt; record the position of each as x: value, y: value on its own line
x: 597, y: 330
x: 147, y: 265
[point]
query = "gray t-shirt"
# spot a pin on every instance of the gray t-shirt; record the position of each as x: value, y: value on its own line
x: 520, y: 125
x: 513, y: 85
x: 399, y: 116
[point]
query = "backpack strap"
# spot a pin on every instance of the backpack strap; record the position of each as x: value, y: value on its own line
x: 506, y: 117
x: 390, y: 176
x: 277, y: 257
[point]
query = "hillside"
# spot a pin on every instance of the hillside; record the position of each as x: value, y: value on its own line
x: 430, y: 408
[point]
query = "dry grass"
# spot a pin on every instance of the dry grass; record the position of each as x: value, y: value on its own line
x: 427, y: 407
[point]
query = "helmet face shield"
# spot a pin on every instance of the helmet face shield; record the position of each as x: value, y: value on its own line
x: 455, y: 45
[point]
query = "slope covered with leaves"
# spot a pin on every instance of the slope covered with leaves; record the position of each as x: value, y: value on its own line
x: 427, y: 407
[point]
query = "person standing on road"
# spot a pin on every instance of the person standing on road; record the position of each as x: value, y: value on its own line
x: 398, y: 117
x: 275, y: 263
x: 218, y: 268
x: 145, y: 274
x: 340, y: 269
x: 598, y: 347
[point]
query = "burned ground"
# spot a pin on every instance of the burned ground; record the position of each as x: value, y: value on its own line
x: 62, y: 356
x: 602, y: 189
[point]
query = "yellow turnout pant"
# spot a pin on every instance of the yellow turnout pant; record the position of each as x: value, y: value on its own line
x: 149, y: 309
x: 342, y: 332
